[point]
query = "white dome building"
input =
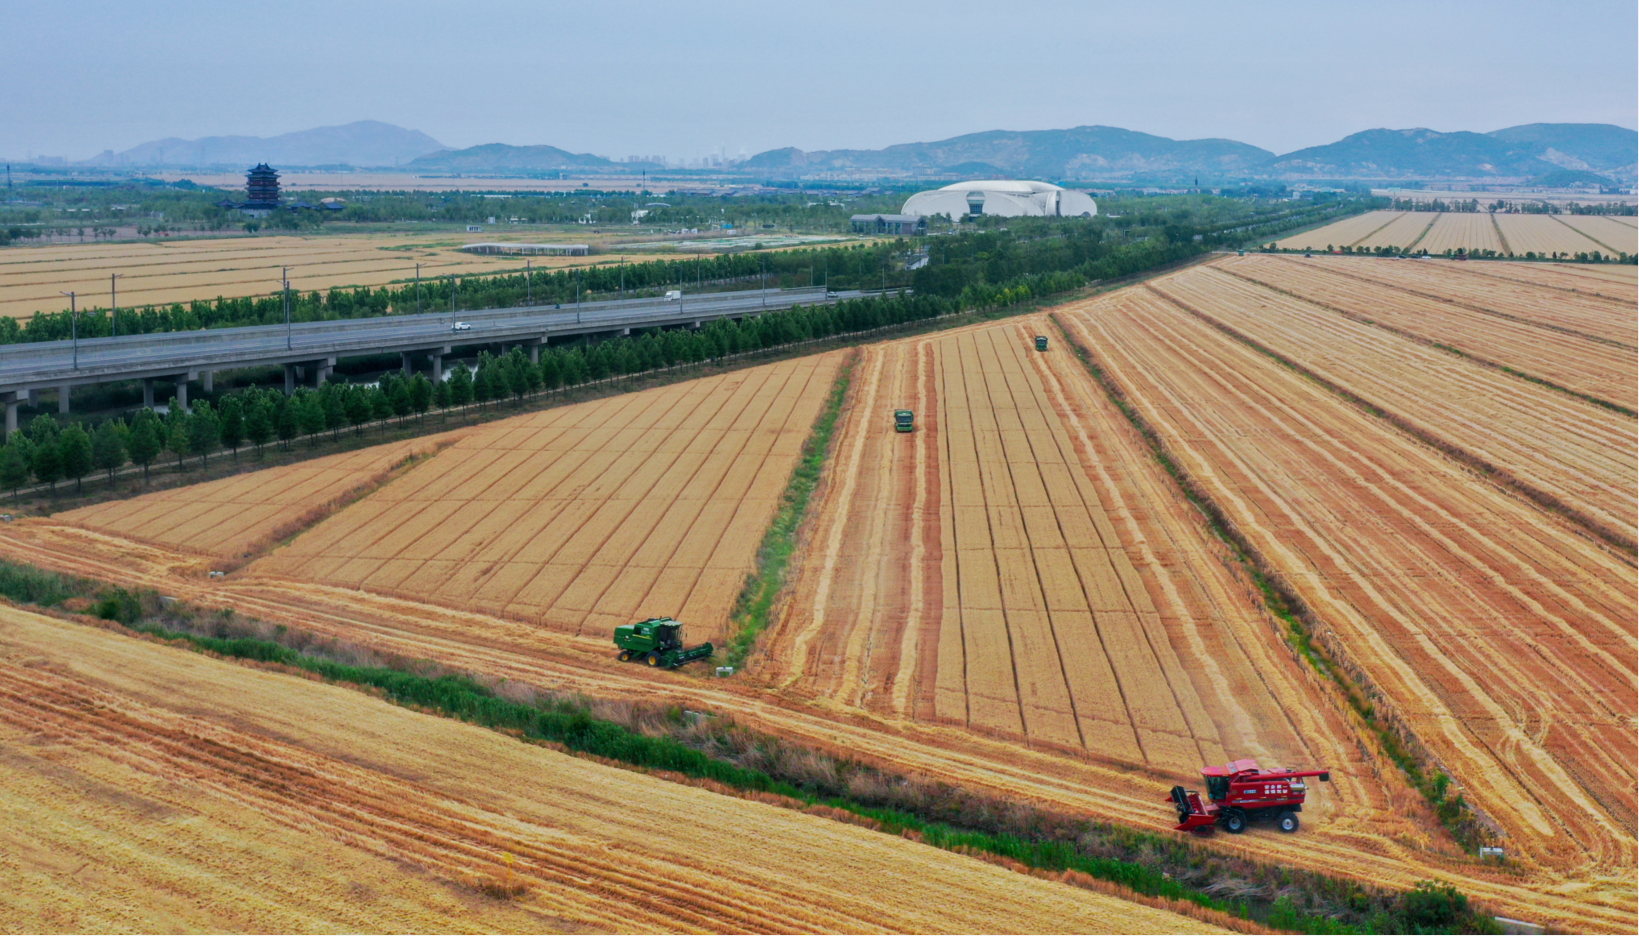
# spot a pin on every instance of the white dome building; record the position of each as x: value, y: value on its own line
x: 1004, y: 197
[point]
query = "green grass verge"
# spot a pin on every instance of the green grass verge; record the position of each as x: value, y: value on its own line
x: 756, y: 602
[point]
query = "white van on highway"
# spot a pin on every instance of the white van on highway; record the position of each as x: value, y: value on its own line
x: 674, y: 295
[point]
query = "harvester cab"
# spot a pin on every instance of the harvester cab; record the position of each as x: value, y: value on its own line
x: 904, y: 421
x: 658, y: 642
x: 1240, y: 792
x: 1041, y: 342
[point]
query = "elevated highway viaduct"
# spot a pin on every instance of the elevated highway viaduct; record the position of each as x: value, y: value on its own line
x: 309, y: 350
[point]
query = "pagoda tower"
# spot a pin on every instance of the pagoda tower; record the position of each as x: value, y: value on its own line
x: 262, y: 186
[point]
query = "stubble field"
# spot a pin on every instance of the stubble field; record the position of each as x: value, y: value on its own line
x: 1017, y: 599
x: 32, y: 278
x: 1437, y: 232
x: 149, y: 788
x: 1503, y: 636
x: 586, y: 516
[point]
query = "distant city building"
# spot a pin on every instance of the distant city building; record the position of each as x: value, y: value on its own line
x: 1006, y: 198
x: 903, y: 224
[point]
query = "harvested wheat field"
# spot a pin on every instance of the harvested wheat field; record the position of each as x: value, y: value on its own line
x: 1614, y: 235
x: 150, y: 788
x: 1502, y: 636
x: 586, y: 516
x: 1344, y: 233
x: 1579, y: 454
x: 1015, y: 566
x: 1570, y: 299
x: 1016, y: 598
x: 1366, y: 824
x: 238, y: 517
x: 1437, y: 232
x: 186, y: 270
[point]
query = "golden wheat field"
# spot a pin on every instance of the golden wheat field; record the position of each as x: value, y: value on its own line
x: 32, y: 278
x: 586, y: 516
x: 1436, y: 459
x: 1016, y: 568
x: 1502, y: 633
x: 239, y: 516
x: 1437, y: 232
x: 209, y: 795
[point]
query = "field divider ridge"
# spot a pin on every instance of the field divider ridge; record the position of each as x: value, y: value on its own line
x: 1374, y: 230
x: 1306, y: 632
x: 1613, y: 250
x: 1465, y: 305
x: 1424, y: 233
x: 1503, y: 238
x: 763, y: 586
x: 1503, y: 478
x: 1469, y: 356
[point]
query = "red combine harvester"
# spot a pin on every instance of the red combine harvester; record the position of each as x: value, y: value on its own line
x: 1240, y: 792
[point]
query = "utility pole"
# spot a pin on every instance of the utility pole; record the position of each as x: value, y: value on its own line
x: 762, y: 279
x: 284, y: 276
x: 577, y: 294
x: 623, y: 276
x: 114, y: 303
x: 529, y: 286
x: 452, y: 302
x: 74, y: 326
x: 418, y: 289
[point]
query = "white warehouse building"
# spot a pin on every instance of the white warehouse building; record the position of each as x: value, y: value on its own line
x: 1007, y: 198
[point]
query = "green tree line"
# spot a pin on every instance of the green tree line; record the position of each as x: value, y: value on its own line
x: 987, y: 258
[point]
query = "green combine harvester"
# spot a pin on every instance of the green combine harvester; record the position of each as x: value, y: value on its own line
x: 658, y: 642
x: 904, y: 421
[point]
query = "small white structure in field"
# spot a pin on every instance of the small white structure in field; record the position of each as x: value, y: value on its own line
x: 1008, y: 198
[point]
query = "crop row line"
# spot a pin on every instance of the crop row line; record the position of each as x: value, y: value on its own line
x: 667, y: 743
x: 1469, y: 306
x: 1304, y: 630
x: 1470, y: 356
x: 1505, y: 479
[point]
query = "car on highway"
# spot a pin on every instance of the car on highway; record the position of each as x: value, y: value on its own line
x: 461, y: 326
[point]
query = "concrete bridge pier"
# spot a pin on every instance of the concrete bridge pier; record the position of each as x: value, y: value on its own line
x: 12, y: 402
x: 437, y: 361
x: 534, y: 346
x: 207, y: 381
x: 182, y: 391
x: 404, y: 359
x: 62, y: 399
x: 291, y: 373
x: 148, y: 392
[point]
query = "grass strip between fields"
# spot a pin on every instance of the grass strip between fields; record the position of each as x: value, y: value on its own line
x: 1291, y: 610
x: 569, y: 722
x: 756, y: 603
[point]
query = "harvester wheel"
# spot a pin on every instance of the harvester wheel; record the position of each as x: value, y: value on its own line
x: 654, y: 659
x: 1288, y: 822
x: 625, y: 655
x: 1235, y: 822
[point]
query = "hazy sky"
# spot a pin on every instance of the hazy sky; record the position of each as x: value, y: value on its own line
x: 680, y: 79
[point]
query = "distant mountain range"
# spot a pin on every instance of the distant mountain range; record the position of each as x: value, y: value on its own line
x: 1560, y: 152
x: 499, y: 158
x: 1090, y: 153
x: 1529, y: 151
x: 361, y: 143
